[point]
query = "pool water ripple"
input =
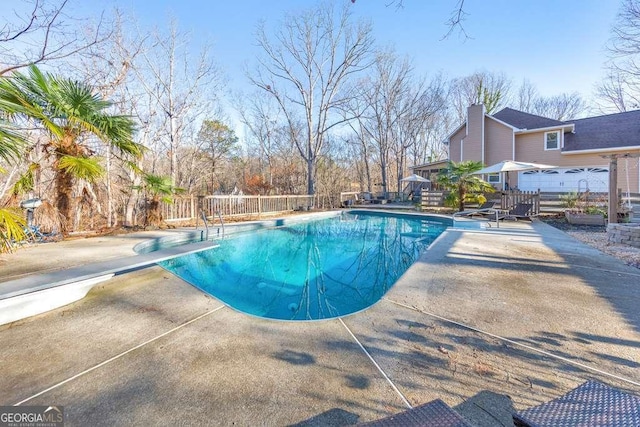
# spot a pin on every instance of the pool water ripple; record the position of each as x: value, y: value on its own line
x: 310, y: 271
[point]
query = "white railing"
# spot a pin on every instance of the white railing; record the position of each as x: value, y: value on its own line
x: 187, y: 208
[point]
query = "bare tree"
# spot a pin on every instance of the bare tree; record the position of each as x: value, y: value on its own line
x: 618, y: 92
x: 109, y: 66
x: 526, y: 96
x: 564, y: 106
x: 393, y: 110
x: 454, y: 23
x: 620, y: 88
x: 46, y: 32
x: 305, y: 70
x: 261, y: 117
x: 482, y: 87
x: 182, y: 88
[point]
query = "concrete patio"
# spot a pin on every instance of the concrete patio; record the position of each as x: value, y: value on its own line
x: 490, y: 321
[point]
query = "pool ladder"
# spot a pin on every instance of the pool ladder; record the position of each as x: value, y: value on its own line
x: 206, y: 225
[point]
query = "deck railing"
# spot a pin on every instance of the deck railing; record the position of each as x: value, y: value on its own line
x: 188, y: 208
x: 511, y: 198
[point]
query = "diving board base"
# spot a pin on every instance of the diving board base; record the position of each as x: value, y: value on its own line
x: 26, y: 305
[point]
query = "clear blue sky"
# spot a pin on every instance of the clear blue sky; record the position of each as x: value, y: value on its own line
x: 557, y: 44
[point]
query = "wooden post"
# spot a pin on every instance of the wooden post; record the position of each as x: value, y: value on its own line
x: 613, y: 189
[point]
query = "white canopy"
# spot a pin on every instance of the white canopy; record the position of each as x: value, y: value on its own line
x: 511, y: 165
x: 414, y: 178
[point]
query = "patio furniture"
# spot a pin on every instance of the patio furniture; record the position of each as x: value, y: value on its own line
x: 434, y: 413
x: 485, y: 209
x: 590, y: 404
x: 520, y: 210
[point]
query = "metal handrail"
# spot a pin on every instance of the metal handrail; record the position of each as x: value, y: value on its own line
x: 221, y: 222
x: 468, y: 213
x: 206, y: 226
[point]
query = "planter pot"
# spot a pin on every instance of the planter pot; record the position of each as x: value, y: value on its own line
x: 584, y: 219
x: 625, y: 216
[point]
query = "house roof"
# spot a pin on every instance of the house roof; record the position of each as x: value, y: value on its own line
x: 603, y: 132
x: 521, y: 120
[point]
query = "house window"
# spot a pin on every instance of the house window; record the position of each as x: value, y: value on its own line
x: 552, y: 140
x: 493, y: 178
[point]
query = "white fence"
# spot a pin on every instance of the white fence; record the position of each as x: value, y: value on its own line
x: 188, y: 208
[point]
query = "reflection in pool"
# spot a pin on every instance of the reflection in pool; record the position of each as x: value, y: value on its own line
x: 313, y: 270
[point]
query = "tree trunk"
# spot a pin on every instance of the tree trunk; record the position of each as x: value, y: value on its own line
x: 310, y: 176
x: 64, y: 192
x: 154, y: 216
x: 461, y: 196
x: 108, y: 183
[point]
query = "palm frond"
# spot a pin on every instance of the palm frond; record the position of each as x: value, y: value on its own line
x: 25, y: 182
x: 11, y: 228
x: 12, y: 142
x: 87, y: 168
x: 159, y: 185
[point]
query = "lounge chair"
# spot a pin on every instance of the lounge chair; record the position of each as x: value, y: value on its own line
x: 520, y: 210
x: 434, y: 413
x: 486, y: 210
x: 591, y: 404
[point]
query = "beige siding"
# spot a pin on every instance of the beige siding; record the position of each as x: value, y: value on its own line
x: 454, y: 144
x: 530, y: 148
x: 498, y: 142
x: 472, y: 145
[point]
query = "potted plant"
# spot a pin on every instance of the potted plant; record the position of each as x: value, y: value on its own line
x: 585, y: 211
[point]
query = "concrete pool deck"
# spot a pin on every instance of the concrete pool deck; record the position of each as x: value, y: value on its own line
x: 490, y: 321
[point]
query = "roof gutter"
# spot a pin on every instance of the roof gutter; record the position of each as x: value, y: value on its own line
x: 571, y: 127
x: 603, y: 150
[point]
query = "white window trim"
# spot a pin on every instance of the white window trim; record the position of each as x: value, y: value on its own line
x: 557, y: 132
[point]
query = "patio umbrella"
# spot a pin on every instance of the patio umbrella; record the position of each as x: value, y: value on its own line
x: 507, y: 166
x: 415, y: 178
x: 512, y: 165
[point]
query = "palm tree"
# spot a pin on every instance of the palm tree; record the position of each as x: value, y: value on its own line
x: 70, y: 112
x: 465, y: 187
x: 12, y: 223
x: 160, y: 189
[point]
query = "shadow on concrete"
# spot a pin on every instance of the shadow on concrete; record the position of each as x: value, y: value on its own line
x: 332, y: 417
x: 487, y: 408
x: 295, y: 357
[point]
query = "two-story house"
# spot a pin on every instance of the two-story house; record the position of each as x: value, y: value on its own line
x: 579, y: 148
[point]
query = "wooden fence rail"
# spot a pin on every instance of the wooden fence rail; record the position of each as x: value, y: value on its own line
x: 433, y: 198
x: 511, y: 198
x: 188, y: 208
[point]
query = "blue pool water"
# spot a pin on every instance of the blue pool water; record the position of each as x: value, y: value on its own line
x: 314, y: 270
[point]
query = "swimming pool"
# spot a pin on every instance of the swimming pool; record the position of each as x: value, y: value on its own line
x: 312, y: 270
